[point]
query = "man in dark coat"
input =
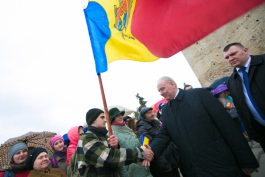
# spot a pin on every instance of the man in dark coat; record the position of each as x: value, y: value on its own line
x: 210, y: 144
x: 237, y: 55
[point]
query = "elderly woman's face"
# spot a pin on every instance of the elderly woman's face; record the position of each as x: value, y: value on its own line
x: 42, y: 162
x: 20, y: 156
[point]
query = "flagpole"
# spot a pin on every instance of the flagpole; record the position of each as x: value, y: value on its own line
x: 105, y: 104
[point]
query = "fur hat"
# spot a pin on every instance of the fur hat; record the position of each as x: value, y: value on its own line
x: 219, y: 89
x: 17, y: 147
x: 33, y: 154
x: 113, y: 112
x: 144, y: 111
x: 54, y: 139
x: 92, y: 115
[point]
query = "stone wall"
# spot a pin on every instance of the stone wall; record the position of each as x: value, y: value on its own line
x: 206, y: 57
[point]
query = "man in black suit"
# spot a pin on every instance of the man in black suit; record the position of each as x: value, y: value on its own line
x: 251, y: 110
x: 210, y: 143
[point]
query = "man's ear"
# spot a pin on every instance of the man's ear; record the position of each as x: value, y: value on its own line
x: 246, y: 50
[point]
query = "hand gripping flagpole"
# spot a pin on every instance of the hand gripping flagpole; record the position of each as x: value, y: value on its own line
x: 105, y: 105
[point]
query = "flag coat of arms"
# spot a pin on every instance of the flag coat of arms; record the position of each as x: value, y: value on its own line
x: 109, y: 25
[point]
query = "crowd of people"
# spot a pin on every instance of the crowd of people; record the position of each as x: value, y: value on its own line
x: 197, y: 133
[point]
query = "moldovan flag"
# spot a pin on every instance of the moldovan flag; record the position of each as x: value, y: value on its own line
x: 144, y: 141
x: 145, y: 30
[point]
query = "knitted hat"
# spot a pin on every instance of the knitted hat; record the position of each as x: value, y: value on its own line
x: 219, y: 89
x: 113, y: 112
x: 54, y: 139
x: 144, y: 110
x: 92, y: 115
x: 32, y: 156
x: 17, y: 147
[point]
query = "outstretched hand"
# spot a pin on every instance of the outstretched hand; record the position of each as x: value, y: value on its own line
x: 148, y: 153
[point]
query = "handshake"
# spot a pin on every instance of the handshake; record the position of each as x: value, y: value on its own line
x: 147, y: 151
x: 148, y: 155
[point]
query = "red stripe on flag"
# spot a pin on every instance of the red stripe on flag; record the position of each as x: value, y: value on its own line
x: 166, y: 27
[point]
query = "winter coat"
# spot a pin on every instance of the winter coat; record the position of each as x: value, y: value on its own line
x: 148, y: 128
x: 256, y: 77
x: 73, y: 137
x: 169, y: 158
x: 94, y: 153
x: 58, y: 160
x: 19, y: 174
x: 16, y: 170
x: 128, y: 139
x: 53, y: 172
x: 210, y: 144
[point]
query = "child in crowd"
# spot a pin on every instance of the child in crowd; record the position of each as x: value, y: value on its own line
x: 222, y: 94
x: 18, y: 154
x: 58, y: 160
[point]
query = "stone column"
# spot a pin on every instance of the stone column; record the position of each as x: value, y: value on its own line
x: 206, y: 57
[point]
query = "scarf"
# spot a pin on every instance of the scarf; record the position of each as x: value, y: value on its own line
x: 9, y: 174
x: 15, y: 169
x: 101, y: 132
x: 118, y: 123
x: 61, y: 153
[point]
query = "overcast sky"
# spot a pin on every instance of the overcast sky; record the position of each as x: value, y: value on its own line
x: 47, y: 73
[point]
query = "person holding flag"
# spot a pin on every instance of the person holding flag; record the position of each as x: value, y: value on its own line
x: 99, y: 155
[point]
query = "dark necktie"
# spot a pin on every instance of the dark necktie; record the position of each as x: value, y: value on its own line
x: 246, y: 83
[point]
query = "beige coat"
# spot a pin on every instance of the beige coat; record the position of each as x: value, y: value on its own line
x: 53, y: 172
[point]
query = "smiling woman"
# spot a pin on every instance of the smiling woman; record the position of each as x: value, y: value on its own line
x: 38, y: 162
x: 18, y: 154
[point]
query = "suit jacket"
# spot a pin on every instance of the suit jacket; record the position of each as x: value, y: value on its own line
x: 210, y: 143
x: 257, y: 86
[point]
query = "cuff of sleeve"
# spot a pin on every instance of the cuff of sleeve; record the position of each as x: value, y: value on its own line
x: 140, y: 153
